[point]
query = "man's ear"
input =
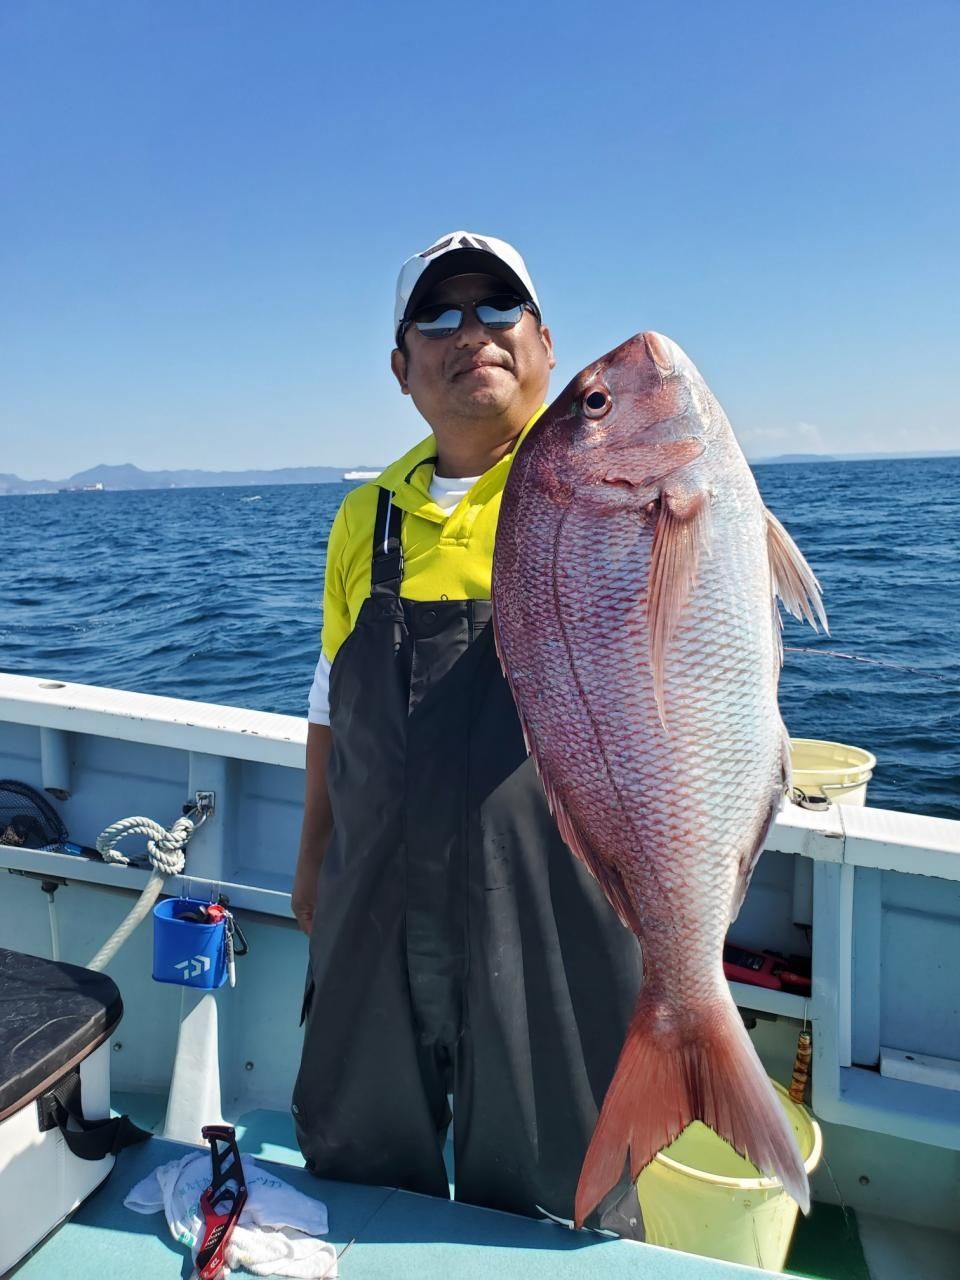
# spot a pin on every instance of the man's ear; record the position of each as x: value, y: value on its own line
x: 398, y: 363
x: 548, y: 344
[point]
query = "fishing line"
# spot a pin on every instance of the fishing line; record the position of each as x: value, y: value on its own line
x: 844, y: 1208
x: 873, y: 662
x: 805, y: 1071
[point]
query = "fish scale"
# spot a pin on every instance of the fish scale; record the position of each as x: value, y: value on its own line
x: 648, y: 694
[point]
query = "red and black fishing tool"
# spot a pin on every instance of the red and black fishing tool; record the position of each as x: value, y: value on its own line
x: 222, y: 1202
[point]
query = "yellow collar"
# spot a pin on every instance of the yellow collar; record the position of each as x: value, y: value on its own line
x: 408, y: 479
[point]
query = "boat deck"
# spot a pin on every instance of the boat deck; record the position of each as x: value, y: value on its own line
x: 378, y: 1233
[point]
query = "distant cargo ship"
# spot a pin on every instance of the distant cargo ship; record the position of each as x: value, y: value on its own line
x: 83, y: 488
x: 360, y: 475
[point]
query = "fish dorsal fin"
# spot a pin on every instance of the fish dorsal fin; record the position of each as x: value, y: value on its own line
x: 576, y: 840
x: 604, y: 872
x: 793, y: 579
x: 683, y: 530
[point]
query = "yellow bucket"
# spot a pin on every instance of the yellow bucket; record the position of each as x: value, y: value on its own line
x: 698, y: 1195
x: 832, y: 770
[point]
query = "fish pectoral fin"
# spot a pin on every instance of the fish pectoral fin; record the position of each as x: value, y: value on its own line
x: 682, y: 532
x: 646, y: 467
x: 793, y: 579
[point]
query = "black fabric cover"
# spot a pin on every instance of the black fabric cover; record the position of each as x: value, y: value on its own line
x: 51, y: 1014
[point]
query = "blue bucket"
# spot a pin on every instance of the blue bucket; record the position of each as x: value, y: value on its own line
x: 185, y: 952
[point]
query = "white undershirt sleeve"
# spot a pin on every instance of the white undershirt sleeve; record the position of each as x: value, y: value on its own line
x: 319, y: 708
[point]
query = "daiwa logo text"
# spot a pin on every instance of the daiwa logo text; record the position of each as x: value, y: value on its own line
x: 193, y: 967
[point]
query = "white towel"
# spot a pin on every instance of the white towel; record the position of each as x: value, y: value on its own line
x: 275, y: 1234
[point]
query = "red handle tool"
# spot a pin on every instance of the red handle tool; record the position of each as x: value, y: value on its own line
x: 222, y: 1202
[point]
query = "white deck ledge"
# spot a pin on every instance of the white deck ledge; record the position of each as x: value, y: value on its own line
x: 234, y: 732
x: 864, y: 837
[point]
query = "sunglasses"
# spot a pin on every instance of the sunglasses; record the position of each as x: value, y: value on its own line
x: 500, y: 311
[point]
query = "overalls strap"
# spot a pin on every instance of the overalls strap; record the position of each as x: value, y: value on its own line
x: 386, y: 571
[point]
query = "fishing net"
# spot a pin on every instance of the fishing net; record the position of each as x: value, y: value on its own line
x: 27, y: 819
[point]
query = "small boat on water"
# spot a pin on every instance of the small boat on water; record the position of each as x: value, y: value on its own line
x: 851, y: 930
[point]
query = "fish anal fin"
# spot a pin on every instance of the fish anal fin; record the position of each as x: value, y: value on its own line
x: 646, y: 467
x: 682, y: 533
x: 674, y: 1068
x: 793, y: 579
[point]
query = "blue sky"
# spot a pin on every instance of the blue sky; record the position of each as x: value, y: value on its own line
x: 203, y: 208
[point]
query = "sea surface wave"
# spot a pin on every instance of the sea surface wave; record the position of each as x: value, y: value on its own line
x: 203, y: 594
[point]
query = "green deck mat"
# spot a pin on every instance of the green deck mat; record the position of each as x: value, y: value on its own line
x: 826, y: 1246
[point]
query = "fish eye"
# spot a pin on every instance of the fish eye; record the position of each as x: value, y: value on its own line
x: 597, y: 402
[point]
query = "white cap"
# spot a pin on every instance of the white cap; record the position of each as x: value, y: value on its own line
x: 460, y: 253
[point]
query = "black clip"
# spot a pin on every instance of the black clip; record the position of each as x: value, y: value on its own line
x: 234, y: 928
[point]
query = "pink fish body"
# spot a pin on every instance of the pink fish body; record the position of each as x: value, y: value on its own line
x: 634, y: 578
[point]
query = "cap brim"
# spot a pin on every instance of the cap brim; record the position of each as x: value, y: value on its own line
x: 459, y: 262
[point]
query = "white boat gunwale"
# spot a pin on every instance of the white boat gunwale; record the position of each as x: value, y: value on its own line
x: 843, y: 860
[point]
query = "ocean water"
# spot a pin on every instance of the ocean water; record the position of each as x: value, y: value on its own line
x: 215, y: 594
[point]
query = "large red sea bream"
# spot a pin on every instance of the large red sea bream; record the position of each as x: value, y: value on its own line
x: 634, y: 584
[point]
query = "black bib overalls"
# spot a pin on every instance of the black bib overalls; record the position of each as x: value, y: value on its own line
x: 458, y: 946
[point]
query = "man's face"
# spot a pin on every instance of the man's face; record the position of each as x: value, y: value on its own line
x: 475, y: 373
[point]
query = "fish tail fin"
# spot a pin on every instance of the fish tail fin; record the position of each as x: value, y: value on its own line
x: 673, y: 1070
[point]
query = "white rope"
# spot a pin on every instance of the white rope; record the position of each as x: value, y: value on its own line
x: 164, y: 848
x: 165, y: 851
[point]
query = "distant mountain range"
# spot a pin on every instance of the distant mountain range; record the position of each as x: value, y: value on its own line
x: 128, y: 476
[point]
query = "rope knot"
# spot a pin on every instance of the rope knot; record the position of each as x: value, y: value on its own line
x: 165, y: 851
x: 164, y: 848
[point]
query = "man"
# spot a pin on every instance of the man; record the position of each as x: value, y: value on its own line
x: 456, y: 946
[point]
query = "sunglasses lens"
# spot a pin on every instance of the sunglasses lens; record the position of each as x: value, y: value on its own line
x: 500, y: 312
x: 439, y: 322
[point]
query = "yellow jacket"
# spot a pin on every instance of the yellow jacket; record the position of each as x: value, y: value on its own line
x: 444, y: 555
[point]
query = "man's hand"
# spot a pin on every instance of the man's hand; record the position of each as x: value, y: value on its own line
x: 317, y: 826
x: 303, y: 897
